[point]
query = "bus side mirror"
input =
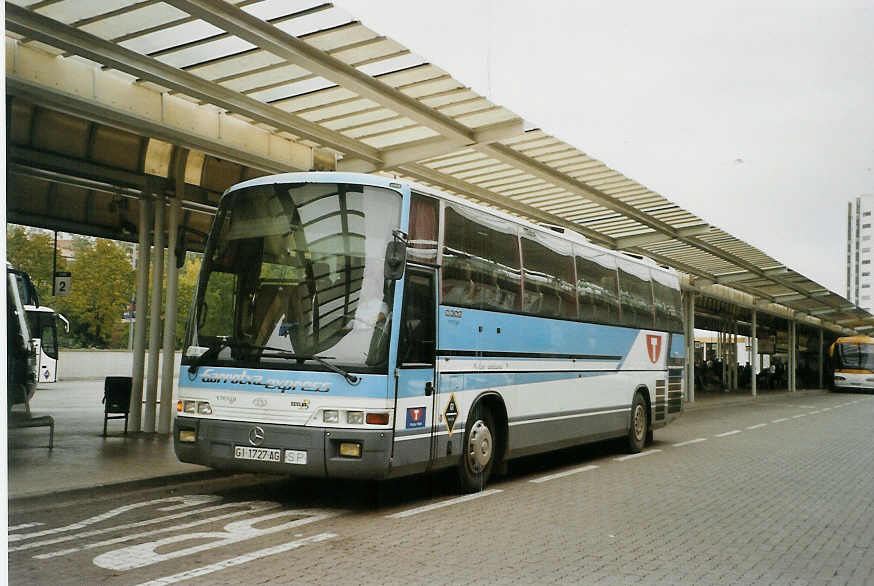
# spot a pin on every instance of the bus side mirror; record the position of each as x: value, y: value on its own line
x: 396, y: 256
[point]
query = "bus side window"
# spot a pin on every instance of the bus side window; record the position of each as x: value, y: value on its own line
x: 596, y: 286
x: 668, y: 302
x: 635, y: 293
x: 549, y: 275
x: 480, y: 261
x: 423, y: 229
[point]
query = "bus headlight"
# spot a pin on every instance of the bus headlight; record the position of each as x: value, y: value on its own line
x: 189, y: 406
x: 331, y: 416
x: 355, y: 417
x: 187, y: 435
x: 204, y: 408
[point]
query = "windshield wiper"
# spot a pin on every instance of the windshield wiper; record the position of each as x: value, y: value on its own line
x: 213, y: 351
x: 323, y: 360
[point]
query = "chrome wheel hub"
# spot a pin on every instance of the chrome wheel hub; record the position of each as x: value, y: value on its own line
x: 639, y: 422
x: 479, y: 446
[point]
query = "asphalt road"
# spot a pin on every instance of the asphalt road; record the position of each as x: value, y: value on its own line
x: 767, y: 493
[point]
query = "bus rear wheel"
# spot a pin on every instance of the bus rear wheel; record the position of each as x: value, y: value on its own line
x: 478, y: 456
x: 639, y: 430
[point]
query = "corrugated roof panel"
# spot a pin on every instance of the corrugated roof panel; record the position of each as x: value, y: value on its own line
x: 70, y: 11
x: 205, y: 52
x: 126, y: 23
x: 348, y: 115
x: 325, y: 19
x: 408, y: 135
x: 378, y: 128
x: 240, y: 66
x: 169, y: 37
x: 295, y: 103
x: 296, y: 88
x: 251, y: 83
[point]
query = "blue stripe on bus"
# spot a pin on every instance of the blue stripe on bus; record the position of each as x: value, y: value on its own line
x: 528, y: 334
x: 491, y: 380
x: 282, y: 381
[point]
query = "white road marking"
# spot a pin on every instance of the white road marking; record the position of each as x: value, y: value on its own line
x: 728, y: 433
x: 239, y: 560
x: 826, y: 408
x: 133, y: 536
x: 690, y: 442
x: 781, y: 420
x: 638, y: 455
x: 24, y: 526
x: 815, y: 412
x: 563, y: 474
x: 146, y: 554
x: 799, y: 415
x: 757, y: 426
x: 441, y: 504
x: 254, y: 506
x: 185, y: 501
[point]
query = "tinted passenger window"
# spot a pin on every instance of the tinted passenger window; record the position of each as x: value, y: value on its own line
x: 423, y: 229
x: 596, y: 286
x: 668, y: 302
x: 548, y: 270
x: 635, y: 293
x: 480, y: 261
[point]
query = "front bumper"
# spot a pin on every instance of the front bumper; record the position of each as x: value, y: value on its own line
x: 216, y: 440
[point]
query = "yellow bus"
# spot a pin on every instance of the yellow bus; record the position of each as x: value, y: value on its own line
x: 853, y: 362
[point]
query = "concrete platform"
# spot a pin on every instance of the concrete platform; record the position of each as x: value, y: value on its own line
x: 82, y: 459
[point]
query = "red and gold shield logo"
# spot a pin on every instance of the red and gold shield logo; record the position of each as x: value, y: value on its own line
x: 653, y: 347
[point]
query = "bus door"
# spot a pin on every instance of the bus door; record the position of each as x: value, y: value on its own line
x: 417, y: 344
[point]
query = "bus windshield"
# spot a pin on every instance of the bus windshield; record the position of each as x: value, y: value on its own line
x: 298, y: 267
x: 855, y: 355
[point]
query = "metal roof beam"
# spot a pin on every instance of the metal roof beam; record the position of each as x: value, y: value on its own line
x: 657, y: 237
x: 52, y: 32
x: 125, y: 120
x: 270, y: 38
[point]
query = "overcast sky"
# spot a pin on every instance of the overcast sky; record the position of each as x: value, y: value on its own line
x: 756, y: 116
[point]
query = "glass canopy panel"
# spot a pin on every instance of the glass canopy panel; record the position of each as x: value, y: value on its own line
x: 314, y: 22
x: 235, y: 65
x: 131, y: 22
x: 392, y: 65
x: 342, y: 36
x: 271, y: 76
x: 70, y: 11
x: 400, y: 137
x: 206, y: 52
x: 293, y: 89
x: 379, y: 48
x: 269, y: 9
x: 172, y: 37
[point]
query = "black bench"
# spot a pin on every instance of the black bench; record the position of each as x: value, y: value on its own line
x: 116, y: 399
x: 27, y: 420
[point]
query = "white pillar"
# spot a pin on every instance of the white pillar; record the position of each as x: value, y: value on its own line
x: 791, y: 373
x: 690, y: 347
x: 754, y: 351
x: 821, y: 342
x: 155, y: 317
x: 142, y: 300
x: 169, y: 320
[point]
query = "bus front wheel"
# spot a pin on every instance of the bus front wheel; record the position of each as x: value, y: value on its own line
x: 639, y: 430
x: 479, y: 445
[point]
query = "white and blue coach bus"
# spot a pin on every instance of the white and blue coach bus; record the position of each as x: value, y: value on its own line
x: 355, y: 326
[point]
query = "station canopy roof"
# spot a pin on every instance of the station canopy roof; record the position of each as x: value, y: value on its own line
x: 310, y: 73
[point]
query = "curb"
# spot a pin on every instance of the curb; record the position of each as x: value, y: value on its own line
x: 747, y: 398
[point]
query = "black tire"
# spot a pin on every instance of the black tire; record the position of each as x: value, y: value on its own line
x: 638, y: 429
x: 478, y: 450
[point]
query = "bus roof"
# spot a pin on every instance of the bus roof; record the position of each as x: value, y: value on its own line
x: 391, y: 183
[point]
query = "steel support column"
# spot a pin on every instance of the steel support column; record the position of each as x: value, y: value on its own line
x: 155, y: 317
x: 821, y: 342
x: 754, y: 358
x: 790, y: 375
x: 169, y: 361
x: 142, y: 303
x: 690, y: 347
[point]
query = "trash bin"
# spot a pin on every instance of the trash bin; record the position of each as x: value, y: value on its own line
x: 116, y: 399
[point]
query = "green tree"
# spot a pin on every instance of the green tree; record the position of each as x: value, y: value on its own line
x: 103, y: 280
x: 32, y: 252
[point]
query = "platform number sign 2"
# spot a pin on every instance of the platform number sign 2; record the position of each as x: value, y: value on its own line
x: 63, y: 283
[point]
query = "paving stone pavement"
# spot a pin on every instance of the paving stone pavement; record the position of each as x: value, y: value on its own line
x: 788, y: 499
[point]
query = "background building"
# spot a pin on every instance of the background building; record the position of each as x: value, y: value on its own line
x: 860, y: 282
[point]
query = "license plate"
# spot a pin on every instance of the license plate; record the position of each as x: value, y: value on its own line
x: 295, y: 457
x: 259, y: 454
